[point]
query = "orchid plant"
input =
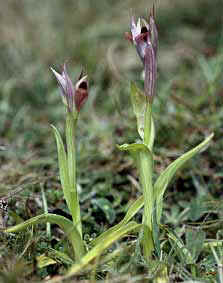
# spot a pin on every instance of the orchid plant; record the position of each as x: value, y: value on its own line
x: 73, y: 97
x: 144, y: 36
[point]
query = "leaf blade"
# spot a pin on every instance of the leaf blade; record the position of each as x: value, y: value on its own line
x: 65, y: 224
x: 138, y: 100
x: 63, y: 168
x: 100, y: 247
x: 167, y: 175
x: 132, y: 210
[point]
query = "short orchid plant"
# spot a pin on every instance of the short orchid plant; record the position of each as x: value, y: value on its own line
x: 144, y: 35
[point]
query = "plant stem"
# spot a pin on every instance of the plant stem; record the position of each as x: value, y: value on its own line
x: 146, y: 172
x: 148, y: 135
x: 71, y: 122
x: 146, y: 169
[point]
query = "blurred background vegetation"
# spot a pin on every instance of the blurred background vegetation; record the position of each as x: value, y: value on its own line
x: 35, y: 35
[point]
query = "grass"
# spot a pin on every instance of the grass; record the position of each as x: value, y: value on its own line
x: 187, y: 108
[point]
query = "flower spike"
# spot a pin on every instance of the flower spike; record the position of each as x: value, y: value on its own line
x: 74, y: 96
x: 144, y: 36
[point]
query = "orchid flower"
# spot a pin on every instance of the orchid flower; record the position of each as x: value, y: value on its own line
x: 144, y: 36
x: 74, y: 96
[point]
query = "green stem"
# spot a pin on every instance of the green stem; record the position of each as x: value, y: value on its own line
x: 148, y: 135
x: 146, y: 172
x: 146, y: 169
x: 71, y: 122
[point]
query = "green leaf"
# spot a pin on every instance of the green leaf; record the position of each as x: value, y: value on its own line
x: 144, y: 160
x: 132, y: 210
x: 149, y: 129
x: 53, y: 257
x: 161, y: 274
x: 194, y: 242
x: 16, y: 217
x: 59, y: 257
x: 65, y: 224
x: 179, y: 246
x: 167, y: 175
x: 62, y: 158
x: 106, y: 207
x: 139, y: 105
x: 102, y: 246
x: 134, y: 149
x: 43, y: 261
x: 71, y: 123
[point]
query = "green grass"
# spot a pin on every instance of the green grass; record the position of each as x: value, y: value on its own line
x: 188, y: 106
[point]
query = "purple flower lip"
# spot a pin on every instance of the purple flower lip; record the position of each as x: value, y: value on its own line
x: 81, y: 92
x: 74, y: 96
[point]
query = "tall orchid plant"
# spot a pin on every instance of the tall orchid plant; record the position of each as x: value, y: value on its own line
x: 73, y: 97
x: 144, y: 36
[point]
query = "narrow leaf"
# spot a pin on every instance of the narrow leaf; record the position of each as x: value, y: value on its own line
x: 65, y: 224
x: 62, y: 158
x: 59, y: 257
x: 167, y: 175
x: 102, y: 246
x: 139, y: 105
x: 194, y: 242
x: 144, y: 160
x: 179, y: 246
x: 134, y: 147
x: 43, y: 261
x: 71, y: 123
x: 133, y: 209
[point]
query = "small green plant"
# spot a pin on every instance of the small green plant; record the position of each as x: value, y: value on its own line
x: 144, y: 36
